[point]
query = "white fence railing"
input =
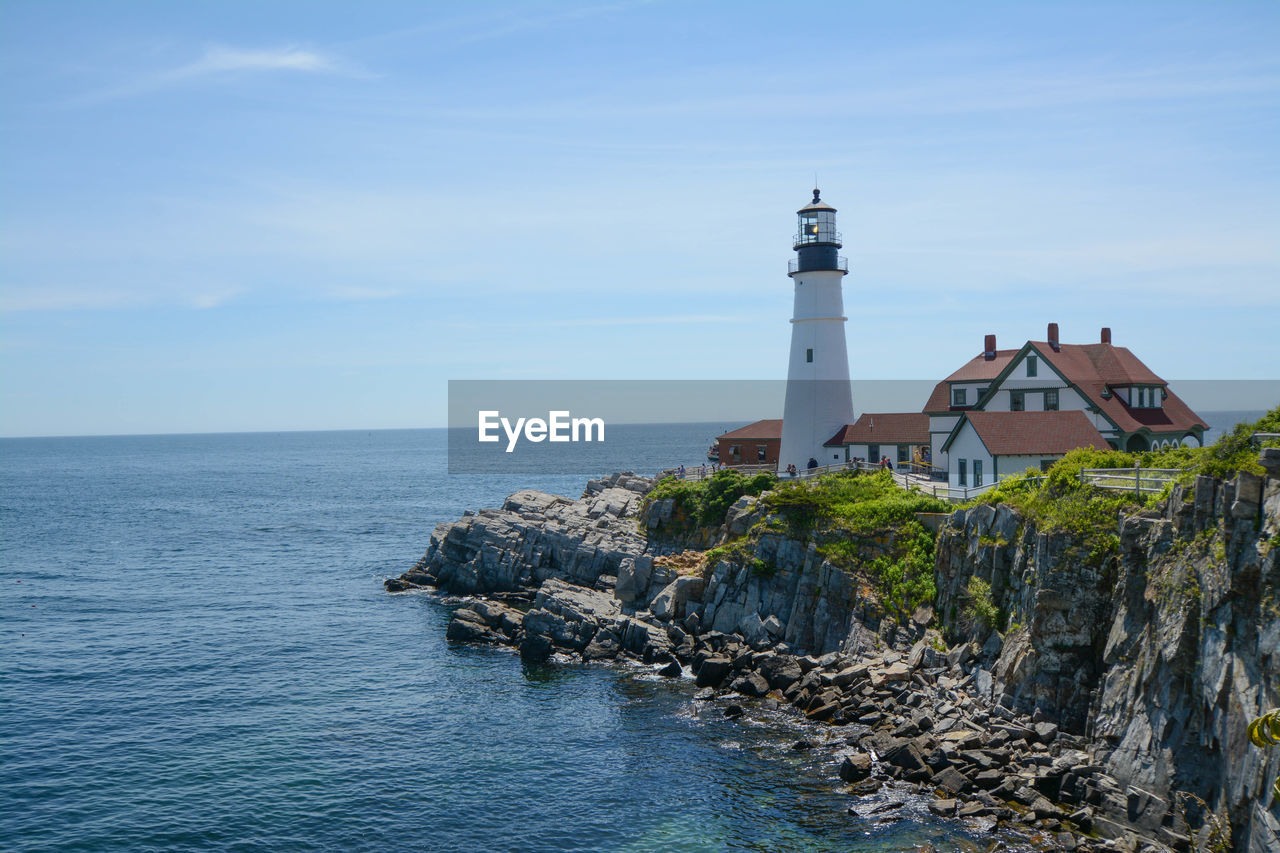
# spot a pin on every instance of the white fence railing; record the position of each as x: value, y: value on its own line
x: 1137, y: 480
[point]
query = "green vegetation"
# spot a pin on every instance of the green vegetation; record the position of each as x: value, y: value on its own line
x: 1059, y: 502
x: 849, y: 502
x: 979, y: 607
x: 1236, y: 450
x: 704, y: 503
x: 863, y: 523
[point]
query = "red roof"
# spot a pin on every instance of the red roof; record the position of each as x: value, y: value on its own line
x: 976, y: 369
x: 1095, y: 367
x: 1033, y: 433
x: 759, y: 430
x: 884, y: 428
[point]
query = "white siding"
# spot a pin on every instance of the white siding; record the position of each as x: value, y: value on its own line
x: 968, y: 447
x: 1013, y: 465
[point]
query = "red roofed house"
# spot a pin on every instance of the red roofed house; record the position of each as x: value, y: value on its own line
x: 1009, y: 410
x: 753, y: 444
x: 901, y: 436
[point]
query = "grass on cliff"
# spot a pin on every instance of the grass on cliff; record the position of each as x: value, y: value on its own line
x: 1061, y: 503
x: 866, y: 524
x: 704, y: 503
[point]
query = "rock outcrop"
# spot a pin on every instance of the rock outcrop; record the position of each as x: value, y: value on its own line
x: 1159, y: 649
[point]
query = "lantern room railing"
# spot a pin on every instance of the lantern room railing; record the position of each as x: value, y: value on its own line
x: 842, y: 264
x: 804, y: 238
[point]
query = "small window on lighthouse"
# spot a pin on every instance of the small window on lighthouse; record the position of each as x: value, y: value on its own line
x: 808, y: 355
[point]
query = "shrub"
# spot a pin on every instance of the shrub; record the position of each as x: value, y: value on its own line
x: 704, y: 503
x: 979, y: 608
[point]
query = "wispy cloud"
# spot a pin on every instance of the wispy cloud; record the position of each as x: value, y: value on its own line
x: 224, y: 61
x: 219, y: 59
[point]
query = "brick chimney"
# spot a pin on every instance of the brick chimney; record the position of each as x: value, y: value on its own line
x: 1106, y: 334
x: 1053, y: 337
x: 989, y: 348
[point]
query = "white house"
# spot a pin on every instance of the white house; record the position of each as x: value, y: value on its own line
x: 1124, y: 404
x: 986, y: 446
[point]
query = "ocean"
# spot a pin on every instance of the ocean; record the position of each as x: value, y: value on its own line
x: 198, y: 655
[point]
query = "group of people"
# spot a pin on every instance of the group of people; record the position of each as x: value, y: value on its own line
x: 702, y: 469
x: 791, y: 469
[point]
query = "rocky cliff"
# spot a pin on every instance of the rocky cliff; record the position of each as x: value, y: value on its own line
x: 1159, y: 649
x: 1118, y: 676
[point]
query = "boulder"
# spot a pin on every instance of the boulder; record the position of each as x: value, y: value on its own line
x: 713, y: 671
x: 672, y: 670
x: 467, y: 626
x: 670, y: 602
x: 751, y: 684
x: 781, y: 671
x: 855, y: 767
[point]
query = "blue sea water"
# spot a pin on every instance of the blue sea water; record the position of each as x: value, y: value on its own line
x: 198, y: 654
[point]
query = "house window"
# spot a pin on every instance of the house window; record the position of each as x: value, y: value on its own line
x: 808, y: 355
x: 762, y: 450
x: 1017, y: 401
x: 1051, y: 400
x: 1031, y: 367
x: 735, y: 450
x: 982, y: 392
x: 1046, y: 464
x: 958, y: 396
x: 904, y: 453
x: 977, y: 472
x: 964, y: 472
x: 873, y: 453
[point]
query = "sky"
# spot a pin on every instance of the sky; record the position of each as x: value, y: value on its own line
x: 273, y: 216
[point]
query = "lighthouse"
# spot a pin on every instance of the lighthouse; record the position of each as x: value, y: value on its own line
x: 819, y: 401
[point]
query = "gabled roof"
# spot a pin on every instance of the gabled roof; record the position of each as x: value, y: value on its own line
x: 884, y: 428
x: 977, y: 369
x: 1030, y: 433
x: 758, y: 431
x: 1093, y: 368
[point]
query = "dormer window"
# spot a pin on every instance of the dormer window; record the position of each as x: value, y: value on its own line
x: 959, y: 396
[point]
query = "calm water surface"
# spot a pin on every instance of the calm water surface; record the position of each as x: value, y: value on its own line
x: 198, y: 654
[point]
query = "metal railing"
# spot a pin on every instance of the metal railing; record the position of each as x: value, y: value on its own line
x: 842, y: 264
x: 702, y: 472
x: 1136, y: 480
x: 958, y: 494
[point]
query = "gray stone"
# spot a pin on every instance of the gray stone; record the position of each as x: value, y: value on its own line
x: 855, y: 767
x: 751, y: 684
x: 713, y: 671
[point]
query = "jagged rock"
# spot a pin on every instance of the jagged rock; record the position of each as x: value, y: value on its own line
x: 713, y: 671
x: 751, y: 684
x: 535, y: 648
x: 670, y: 602
x: 1045, y: 732
x: 943, y: 807
x: 672, y: 670
x: 467, y: 626
x: 782, y: 671
x: 952, y: 780
x: 732, y: 711
x: 855, y: 767
x: 535, y: 536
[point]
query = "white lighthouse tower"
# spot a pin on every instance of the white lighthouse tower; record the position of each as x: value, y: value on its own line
x: 819, y: 401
